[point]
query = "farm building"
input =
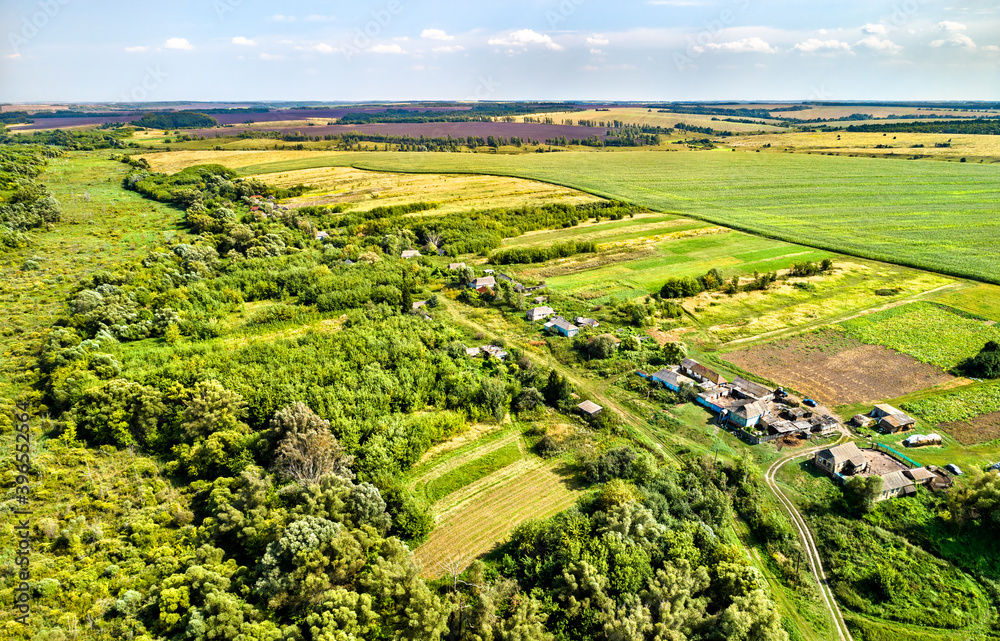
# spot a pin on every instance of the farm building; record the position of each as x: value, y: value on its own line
x: 842, y: 458
x: 891, y: 420
x: 541, y: 299
x: 921, y: 475
x: 472, y: 351
x: 495, y: 351
x: 411, y: 253
x: 699, y: 372
x: 921, y: 440
x: 540, y: 313
x: 753, y: 391
x: 896, y: 484
x: 485, y: 281
x: 748, y: 413
x: 670, y: 379
x: 456, y: 266
x: 563, y: 327
x: 895, y: 424
x: 585, y: 322
x: 321, y: 235
x: 590, y: 408
x: 860, y: 420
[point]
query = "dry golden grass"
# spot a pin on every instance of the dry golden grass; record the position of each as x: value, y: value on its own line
x: 900, y: 144
x: 174, y: 161
x: 367, y: 189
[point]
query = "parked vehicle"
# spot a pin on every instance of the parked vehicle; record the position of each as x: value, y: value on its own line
x: 810, y: 402
x: 954, y: 469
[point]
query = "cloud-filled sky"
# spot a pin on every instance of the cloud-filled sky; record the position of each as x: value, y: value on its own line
x: 232, y: 50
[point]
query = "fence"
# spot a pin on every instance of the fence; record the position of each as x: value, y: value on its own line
x: 891, y: 452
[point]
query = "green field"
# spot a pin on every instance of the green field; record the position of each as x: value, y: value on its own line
x: 933, y: 215
x: 962, y: 405
x: 471, y: 472
x: 929, y: 333
x: 982, y: 300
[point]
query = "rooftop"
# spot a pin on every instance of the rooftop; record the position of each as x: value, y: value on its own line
x: 589, y: 407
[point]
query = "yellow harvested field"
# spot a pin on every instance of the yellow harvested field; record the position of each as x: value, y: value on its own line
x: 488, y: 510
x: 643, y: 116
x: 367, y: 190
x: 899, y: 144
x: 174, y: 161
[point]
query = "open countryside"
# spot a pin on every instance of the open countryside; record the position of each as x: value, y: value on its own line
x: 477, y: 343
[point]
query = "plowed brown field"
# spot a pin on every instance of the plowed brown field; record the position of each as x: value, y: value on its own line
x: 838, y: 370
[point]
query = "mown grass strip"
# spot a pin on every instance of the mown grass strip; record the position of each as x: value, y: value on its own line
x: 471, y: 472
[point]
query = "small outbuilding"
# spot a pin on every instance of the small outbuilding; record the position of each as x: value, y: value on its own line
x: 540, y: 313
x: 589, y: 408
x: 456, y: 266
x: 411, y: 253
x: 486, y: 281
x: 895, y: 484
x: 921, y: 475
x: 585, y: 322
x: 699, y: 372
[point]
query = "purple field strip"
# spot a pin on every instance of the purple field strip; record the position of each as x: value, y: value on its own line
x: 529, y: 131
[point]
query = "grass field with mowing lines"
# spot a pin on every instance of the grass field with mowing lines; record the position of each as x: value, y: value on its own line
x: 472, y: 471
x: 936, y: 216
x: 929, y: 333
x: 982, y: 300
x: 476, y: 526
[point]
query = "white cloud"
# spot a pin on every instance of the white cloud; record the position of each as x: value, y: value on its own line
x: 948, y: 25
x: 598, y: 41
x: 178, y: 43
x: 873, y: 43
x: 991, y: 48
x: 391, y: 49
x: 244, y: 42
x: 318, y: 18
x: 448, y: 49
x: 815, y: 45
x: 14, y: 56
x: 525, y: 37
x: 270, y: 56
x: 324, y: 48
x: 435, y: 34
x: 955, y: 38
x: 875, y: 29
x: 139, y: 49
x: 282, y: 18
x: 746, y: 45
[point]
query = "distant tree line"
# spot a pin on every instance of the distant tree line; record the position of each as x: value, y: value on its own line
x: 978, y: 126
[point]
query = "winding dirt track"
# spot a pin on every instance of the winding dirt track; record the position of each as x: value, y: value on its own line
x: 805, y: 534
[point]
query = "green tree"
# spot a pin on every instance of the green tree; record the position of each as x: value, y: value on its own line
x: 861, y: 492
x: 674, y: 352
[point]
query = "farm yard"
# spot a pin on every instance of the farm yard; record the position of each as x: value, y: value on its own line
x: 836, y: 369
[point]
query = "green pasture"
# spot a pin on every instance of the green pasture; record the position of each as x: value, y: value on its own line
x: 930, y: 333
x: 932, y: 215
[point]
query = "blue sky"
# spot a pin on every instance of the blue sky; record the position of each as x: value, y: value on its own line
x: 112, y: 50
